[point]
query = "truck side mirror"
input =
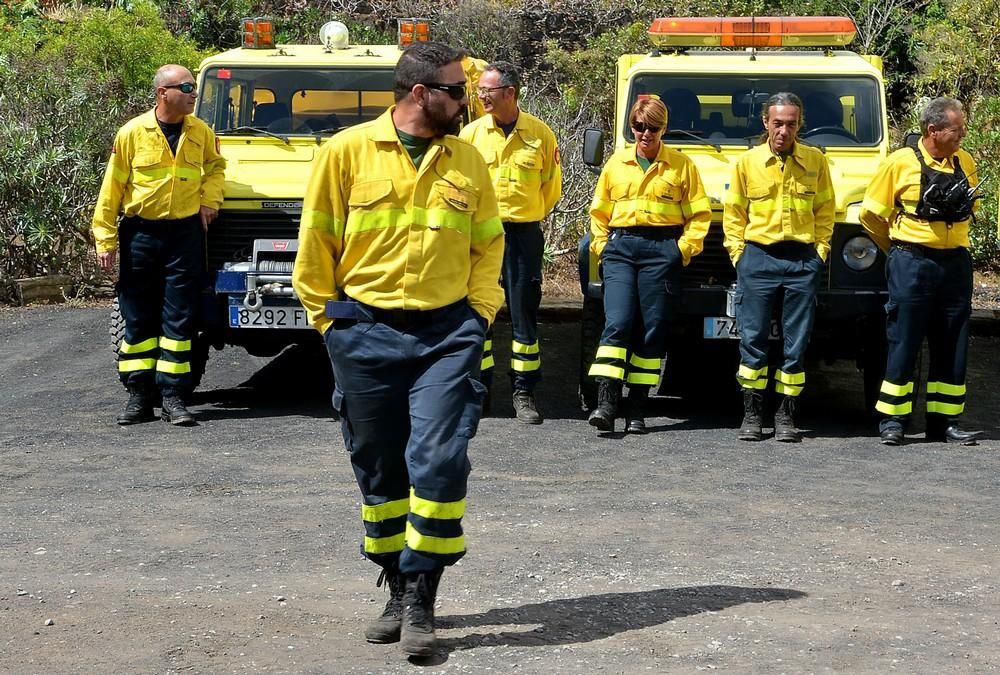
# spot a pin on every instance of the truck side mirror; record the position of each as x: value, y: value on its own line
x: 593, y: 149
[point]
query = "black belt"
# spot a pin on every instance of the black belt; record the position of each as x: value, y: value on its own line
x: 526, y: 224
x: 136, y: 221
x: 397, y: 318
x: 921, y: 251
x: 784, y: 249
x: 659, y: 233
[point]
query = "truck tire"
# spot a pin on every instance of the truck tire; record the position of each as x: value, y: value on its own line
x: 591, y: 327
x: 199, y: 345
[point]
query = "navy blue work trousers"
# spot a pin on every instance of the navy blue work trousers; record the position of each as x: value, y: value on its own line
x: 784, y: 274
x: 159, y: 288
x: 409, y: 400
x: 642, y: 286
x: 930, y: 295
x: 524, y: 249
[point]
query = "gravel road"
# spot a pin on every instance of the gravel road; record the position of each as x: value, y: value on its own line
x: 233, y: 546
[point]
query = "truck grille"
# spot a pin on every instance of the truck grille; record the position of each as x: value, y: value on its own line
x: 231, y: 236
x: 711, y: 267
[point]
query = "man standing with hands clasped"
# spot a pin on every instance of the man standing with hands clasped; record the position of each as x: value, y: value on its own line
x: 523, y: 157
x: 399, y: 254
x: 165, y: 178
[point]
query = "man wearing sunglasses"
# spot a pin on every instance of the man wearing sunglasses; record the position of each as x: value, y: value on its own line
x: 164, y: 180
x: 778, y: 221
x: 399, y: 254
x: 523, y: 157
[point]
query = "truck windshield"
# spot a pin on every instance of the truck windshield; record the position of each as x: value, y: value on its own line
x: 293, y: 100
x: 726, y: 109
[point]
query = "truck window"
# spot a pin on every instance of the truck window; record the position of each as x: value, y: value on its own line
x: 290, y: 100
x: 843, y: 111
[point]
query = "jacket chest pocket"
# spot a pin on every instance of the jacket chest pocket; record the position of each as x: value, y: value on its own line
x: 528, y: 159
x: 667, y: 190
x: 805, y: 188
x: 369, y: 193
x: 148, y: 168
x: 451, y: 206
x: 620, y: 191
x: 194, y: 153
x: 758, y: 191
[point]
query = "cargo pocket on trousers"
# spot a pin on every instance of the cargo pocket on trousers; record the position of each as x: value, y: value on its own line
x: 340, y: 408
x: 469, y: 424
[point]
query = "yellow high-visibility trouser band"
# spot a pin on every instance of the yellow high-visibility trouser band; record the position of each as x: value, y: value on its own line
x: 604, y: 370
x: 488, y: 345
x: 427, y: 508
x: 379, y: 512
x: 896, y: 389
x: 132, y: 365
x: 175, y: 345
x: 521, y: 348
x: 609, y: 352
x: 946, y: 389
x: 647, y: 364
x: 393, y: 544
x: 747, y: 373
x: 897, y: 409
x: 428, y: 544
x: 789, y: 378
x: 787, y: 389
x: 143, y: 346
x: 525, y: 366
x: 643, y: 378
x: 752, y: 384
x: 487, y: 363
x: 173, y: 368
x: 945, y: 408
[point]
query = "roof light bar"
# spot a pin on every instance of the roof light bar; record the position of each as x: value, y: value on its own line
x: 412, y: 30
x: 759, y: 31
x: 258, y: 33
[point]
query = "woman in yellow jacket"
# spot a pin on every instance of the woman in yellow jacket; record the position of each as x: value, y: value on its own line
x: 648, y: 219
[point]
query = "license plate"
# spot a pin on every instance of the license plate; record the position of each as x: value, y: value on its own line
x: 724, y: 328
x: 267, y: 317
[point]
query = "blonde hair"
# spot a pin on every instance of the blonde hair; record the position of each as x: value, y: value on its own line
x: 649, y: 111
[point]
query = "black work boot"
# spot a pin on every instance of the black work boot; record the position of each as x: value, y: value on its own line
x: 753, y: 402
x: 385, y: 629
x: 635, y: 410
x: 941, y: 429
x: 420, y: 592
x: 609, y: 394
x: 139, y: 407
x: 784, y: 422
x: 524, y: 408
x: 175, y: 412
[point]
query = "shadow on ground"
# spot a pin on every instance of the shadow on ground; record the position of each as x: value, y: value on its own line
x: 594, y: 617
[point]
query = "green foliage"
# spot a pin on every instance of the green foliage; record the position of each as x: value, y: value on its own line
x: 983, y: 142
x: 66, y: 85
x: 957, y: 55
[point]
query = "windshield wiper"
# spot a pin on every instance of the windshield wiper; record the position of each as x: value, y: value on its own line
x: 254, y: 131
x: 685, y: 132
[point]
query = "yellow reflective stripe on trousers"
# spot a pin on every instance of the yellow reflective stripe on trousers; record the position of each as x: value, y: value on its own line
x: 648, y: 364
x: 143, y: 346
x: 895, y: 409
x: 379, y: 512
x: 440, y: 510
x: 946, y: 389
x: 752, y: 384
x: 393, y: 544
x: 487, y: 363
x: 876, y: 207
x: 747, y: 373
x: 488, y: 345
x: 787, y: 389
x: 175, y: 345
x: 790, y: 378
x: 173, y: 368
x: 609, y: 352
x: 525, y: 366
x: 132, y: 365
x: 428, y: 544
x: 521, y: 348
x: 604, y: 370
x: 896, y: 389
x: 643, y: 378
x: 945, y: 408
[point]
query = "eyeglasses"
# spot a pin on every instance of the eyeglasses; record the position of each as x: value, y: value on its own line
x: 485, y: 91
x: 456, y: 91
x: 642, y: 127
x: 185, y: 87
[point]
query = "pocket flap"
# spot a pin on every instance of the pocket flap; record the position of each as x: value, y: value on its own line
x: 758, y: 191
x: 462, y: 200
x: 369, y: 192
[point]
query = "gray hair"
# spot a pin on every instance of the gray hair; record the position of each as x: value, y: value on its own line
x: 510, y: 75
x: 783, y: 98
x: 936, y: 112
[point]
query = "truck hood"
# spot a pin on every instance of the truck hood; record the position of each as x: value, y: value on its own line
x: 266, y: 168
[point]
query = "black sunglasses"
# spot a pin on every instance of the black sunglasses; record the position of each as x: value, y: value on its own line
x: 185, y: 87
x: 456, y: 91
x: 642, y: 127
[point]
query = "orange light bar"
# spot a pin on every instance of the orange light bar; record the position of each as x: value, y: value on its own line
x: 412, y: 30
x: 258, y: 33
x: 749, y: 31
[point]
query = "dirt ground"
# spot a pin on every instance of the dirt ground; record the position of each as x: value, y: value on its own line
x: 233, y: 546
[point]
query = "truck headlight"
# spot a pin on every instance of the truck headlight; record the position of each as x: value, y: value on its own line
x: 859, y: 253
